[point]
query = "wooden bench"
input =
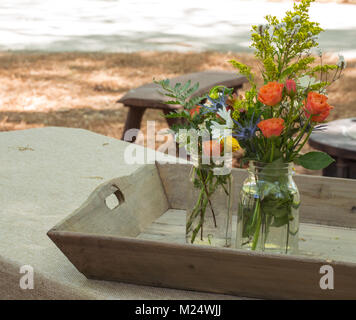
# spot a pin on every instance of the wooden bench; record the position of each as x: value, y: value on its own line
x: 337, y: 141
x: 147, y: 96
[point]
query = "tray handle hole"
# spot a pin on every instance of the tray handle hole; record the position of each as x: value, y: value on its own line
x: 115, y: 199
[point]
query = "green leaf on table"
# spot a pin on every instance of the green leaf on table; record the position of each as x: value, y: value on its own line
x: 314, y: 160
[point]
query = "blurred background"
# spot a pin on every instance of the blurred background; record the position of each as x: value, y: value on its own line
x: 67, y: 62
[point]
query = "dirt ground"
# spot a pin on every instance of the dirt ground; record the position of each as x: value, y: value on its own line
x: 81, y: 89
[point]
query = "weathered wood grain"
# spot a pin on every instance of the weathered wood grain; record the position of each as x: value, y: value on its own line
x: 143, y: 201
x: 317, y: 241
x: 210, y: 269
x: 329, y: 201
x: 112, y: 244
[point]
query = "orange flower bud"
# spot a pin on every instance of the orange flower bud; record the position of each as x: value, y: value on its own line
x: 212, y: 148
x: 316, y: 107
x: 271, y: 127
x: 291, y: 87
x: 271, y: 93
x: 194, y: 111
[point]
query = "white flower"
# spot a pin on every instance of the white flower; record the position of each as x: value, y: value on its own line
x: 220, y: 131
x: 226, y: 115
x: 271, y: 32
x: 281, y: 25
x: 297, y: 28
x: 296, y: 18
x: 306, y: 81
x: 262, y: 28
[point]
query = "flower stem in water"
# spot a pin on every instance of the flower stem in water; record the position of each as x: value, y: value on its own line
x: 258, y: 226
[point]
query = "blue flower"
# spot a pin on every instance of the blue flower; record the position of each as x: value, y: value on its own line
x: 216, y: 104
x: 245, y: 132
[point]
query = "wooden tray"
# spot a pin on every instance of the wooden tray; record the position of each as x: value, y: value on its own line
x: 142, y: 240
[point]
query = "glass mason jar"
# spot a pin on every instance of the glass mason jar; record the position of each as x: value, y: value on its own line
x: 208, y: 221
x: 268, y: 210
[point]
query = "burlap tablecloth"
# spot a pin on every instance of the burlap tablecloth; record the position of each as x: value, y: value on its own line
x: 45, y: 174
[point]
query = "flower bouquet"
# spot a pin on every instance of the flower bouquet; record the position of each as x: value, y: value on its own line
x: 209, y: 219
x: 271, y: 124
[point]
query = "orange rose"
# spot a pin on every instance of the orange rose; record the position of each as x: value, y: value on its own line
x: 212, y: 148
x: 194, y: 111
x: 271, y: 127
x: 316, y: 107
x: 271, y: 93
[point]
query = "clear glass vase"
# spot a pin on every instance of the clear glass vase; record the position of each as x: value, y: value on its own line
x: 268, y: 211
x: 208, y: 221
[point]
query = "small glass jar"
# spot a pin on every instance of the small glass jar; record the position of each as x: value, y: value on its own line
x: 268, y: 210
x: 208, y: 221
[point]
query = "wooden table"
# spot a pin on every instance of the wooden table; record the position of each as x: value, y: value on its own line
x: 339, y: 141
x: 46, y: 174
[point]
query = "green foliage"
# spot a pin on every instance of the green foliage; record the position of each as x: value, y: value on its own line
x: 244, y: 70
x: 314, y: 160
x: 283, y: 49
x: 215, y: 91
x: 178, y: 114
x: 323, y: 71
x: 323, y: 68
x: 319, y: 86
x: 278, y: 43
x: 297, y: 68
x: 270, y: 68
x: 180, y: 93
